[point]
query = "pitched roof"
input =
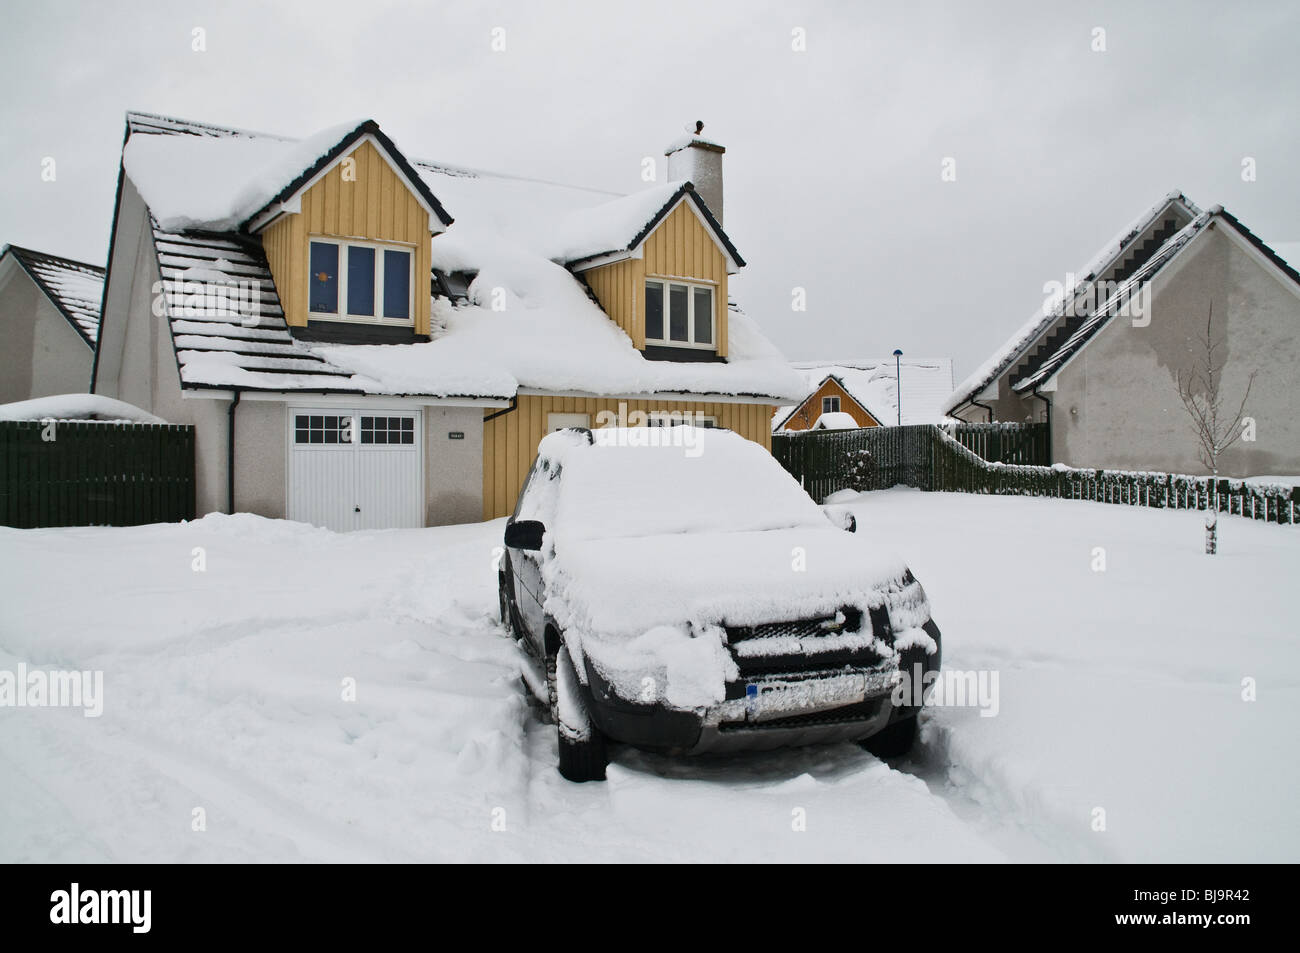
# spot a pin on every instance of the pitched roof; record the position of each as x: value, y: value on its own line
x: 927, y: 382
x: 74, y: 287
x: 551, y: 336
x: 1037, y: 374
x: 1120, y: 252
x: 240, y: 340
x: 196, y: 174
x: 621, y: 225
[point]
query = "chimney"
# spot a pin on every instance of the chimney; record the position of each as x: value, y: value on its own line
x: 695, y: 158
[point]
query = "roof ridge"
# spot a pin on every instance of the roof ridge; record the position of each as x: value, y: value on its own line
x: 471, y: 172
x: 21, y: 250
x: 134, y: 116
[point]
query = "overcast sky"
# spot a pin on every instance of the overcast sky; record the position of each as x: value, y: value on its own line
x: 834, y: 152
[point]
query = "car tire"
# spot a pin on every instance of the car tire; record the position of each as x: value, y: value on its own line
x: 894, y: 741
x: 583, y: 756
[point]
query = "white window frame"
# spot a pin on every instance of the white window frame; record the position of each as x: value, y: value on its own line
x: 666, y: 341
x: 663, y: 418
x: 380, y: 247
x: 834, y: 409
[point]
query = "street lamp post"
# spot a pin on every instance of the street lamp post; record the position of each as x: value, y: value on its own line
x: 898, y: 383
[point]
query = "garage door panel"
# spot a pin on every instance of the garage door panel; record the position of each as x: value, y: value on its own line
x: 356, y: 469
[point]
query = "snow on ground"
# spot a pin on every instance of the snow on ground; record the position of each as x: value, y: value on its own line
x: 1119, y: 689
x: 223, y: 690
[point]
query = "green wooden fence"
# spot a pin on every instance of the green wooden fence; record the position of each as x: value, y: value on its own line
x: 929, y: 458
x: 1027, y: 444
x: 86, y: 473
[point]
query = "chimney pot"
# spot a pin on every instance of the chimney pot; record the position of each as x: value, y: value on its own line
x: 699, y: 161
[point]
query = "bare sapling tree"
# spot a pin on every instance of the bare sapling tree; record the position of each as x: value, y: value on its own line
x: 1199, y: 388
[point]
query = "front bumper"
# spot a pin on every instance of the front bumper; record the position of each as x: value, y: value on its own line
x: 772, y: 711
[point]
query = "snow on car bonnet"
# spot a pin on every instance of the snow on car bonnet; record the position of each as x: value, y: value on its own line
x: 646, y: 481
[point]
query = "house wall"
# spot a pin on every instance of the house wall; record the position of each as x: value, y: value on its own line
x: 377, y: 206
x: 510, y: 441
x: 453, y: 470
x: 681, y: 247
x: 40, y: 353
x: 1117, y: 404
x: 807, y: 413
x: 138, y: 365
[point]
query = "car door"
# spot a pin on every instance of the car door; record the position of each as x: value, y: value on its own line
x: 524, y: 571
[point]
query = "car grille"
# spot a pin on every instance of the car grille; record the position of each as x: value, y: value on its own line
x: 807, y: 645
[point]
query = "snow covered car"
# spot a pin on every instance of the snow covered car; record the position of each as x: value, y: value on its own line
x: 676, y: 590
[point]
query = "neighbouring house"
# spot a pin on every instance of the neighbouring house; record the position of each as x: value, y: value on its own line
x: 837, y: 420
x: 49, y: 319
x: 868, y: 392
x: 1098, y: 362
x: 363, y: 340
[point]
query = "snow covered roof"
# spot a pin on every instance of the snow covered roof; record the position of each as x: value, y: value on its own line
x: 74, y: 287
x: 197, y: 175
x: 514, y: 235
x: 1106, y: 258
x: 1037, y: 374
x: 927, y: 382
x: 621, y: 225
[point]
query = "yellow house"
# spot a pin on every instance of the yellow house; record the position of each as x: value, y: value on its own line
x: 362, y: 340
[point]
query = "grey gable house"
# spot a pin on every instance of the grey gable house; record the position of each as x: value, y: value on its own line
x: 1100, y: 364
x: 49, y: 320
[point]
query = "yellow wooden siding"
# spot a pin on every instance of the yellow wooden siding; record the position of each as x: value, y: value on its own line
x: 378, y: 206
x: 510, y: 441
x: 807, y: 413
x: 619, y: 289
x: 680, y: 247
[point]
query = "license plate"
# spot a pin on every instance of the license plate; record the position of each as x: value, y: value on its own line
x: 775, y: 699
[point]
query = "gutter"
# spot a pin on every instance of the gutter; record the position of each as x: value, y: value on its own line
x: 984, y: 407
x: 230, y: 453
x: 514, y: 403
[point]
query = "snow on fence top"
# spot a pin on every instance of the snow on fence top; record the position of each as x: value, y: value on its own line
x: 77, y: 407
x: 528, y: 321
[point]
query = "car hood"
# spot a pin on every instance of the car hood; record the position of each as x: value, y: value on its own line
x: 626, y: 586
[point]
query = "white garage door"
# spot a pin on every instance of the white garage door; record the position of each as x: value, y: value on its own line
x: 355, y: 469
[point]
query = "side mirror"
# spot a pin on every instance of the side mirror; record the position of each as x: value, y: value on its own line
x: 842, y: 518
x: 525, y: 534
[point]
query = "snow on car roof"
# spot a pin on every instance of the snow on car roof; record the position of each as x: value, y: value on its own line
x: 689, y: 480
x: 528, y: 321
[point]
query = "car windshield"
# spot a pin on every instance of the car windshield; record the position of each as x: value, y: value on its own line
x: 650, y: 481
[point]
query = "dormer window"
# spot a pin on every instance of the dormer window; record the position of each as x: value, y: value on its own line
x: 679, y: 314
x: 360, y: 281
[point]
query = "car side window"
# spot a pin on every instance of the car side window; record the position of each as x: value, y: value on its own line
x: 538, y: 497
x: 523, y: 492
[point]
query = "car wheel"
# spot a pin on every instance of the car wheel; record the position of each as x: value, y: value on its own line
x: 894, y: 741
x: 582, y: 747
